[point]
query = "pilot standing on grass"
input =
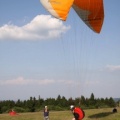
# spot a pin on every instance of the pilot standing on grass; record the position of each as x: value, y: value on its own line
x: 77, y: 112
x: 46, y: 113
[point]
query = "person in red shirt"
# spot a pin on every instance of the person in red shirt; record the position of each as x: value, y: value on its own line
x: 12, y: 113
x: 77, y: 112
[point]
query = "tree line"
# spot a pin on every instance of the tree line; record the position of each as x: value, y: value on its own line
x: 59, y: 103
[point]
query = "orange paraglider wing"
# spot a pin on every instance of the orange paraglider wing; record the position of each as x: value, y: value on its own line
x: 91, y: 12
x: 58, y: 8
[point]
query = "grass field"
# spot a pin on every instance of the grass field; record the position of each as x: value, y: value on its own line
x: 92, y: 114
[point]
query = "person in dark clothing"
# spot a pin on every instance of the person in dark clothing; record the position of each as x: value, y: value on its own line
x: 77, y: 112
x: 114, y: 110
x: 46, y: 113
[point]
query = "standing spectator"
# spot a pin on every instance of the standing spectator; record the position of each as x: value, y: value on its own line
x: 46, y: 113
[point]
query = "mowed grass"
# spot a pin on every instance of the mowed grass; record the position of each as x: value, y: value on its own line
x: 92, y: 114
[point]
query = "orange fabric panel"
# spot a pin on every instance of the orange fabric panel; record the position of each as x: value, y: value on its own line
x: 95, y: 10
x: 61, y: 7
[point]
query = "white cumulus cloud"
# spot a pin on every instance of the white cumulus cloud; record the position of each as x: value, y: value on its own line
x: 40, y: 28
x: 23, y: 81
x: 113, y: 67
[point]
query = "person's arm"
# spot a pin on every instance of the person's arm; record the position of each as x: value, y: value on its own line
x: 48, y: 112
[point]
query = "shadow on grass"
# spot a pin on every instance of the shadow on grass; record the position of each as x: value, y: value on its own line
x: 100, y: 115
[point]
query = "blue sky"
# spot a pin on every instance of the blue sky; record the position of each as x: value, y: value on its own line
x: 41, y: 55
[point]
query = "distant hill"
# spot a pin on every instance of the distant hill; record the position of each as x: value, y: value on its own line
x: 116, y: 99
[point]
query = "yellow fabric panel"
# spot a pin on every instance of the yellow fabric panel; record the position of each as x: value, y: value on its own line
x: 95, y: 10
x: 61, y: 7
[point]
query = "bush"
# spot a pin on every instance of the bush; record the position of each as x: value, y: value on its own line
x: 19, y: 109
x: 4, y: 109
